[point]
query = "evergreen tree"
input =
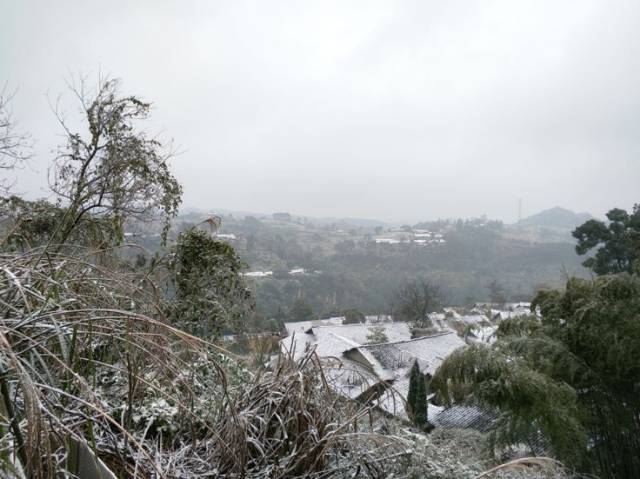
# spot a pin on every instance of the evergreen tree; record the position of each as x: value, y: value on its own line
x: 210, y: 294
x: 301, y: 311
x: 617, y: 243
x: 417, y: 397
x: 377, y: 334
x: 353, y: 316
x: 571, y: 375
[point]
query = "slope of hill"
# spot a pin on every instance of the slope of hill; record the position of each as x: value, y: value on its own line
x: 549, y: 226
x: 557, y: 217
x: 343, y: 265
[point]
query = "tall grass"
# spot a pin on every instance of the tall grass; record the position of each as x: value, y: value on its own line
x: 87, y: 357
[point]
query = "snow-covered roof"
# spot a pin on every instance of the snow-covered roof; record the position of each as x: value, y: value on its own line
x: 473, y: 318
x: 395, y: 331
x: 332, y: 338
x: 430, y: 351
x: 484, y: 334
x: 383, y: 369
x: 304, y: 326
x: 349, y: 378
x: 387, y: 241
x: 464, y: 417
x: 258, y: 274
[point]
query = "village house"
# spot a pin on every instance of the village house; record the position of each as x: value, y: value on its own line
x: 377, y: 373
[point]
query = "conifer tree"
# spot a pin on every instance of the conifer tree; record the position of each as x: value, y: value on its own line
x: 417, y: 397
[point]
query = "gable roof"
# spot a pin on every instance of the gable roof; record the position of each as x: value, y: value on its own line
x: 395, y: 331
x: 379, y: 370
x: 430, y: 351
x: 461, y: 416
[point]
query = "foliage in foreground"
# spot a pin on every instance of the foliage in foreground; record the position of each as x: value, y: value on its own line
x: 87, y: 357
x: 209, y: 291
x: 571, y: 376
x: 94, y: 372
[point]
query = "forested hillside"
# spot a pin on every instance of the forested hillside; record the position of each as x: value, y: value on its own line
x: 346, y: 266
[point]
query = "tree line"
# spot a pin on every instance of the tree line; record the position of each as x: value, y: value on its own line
x: 569, y: 373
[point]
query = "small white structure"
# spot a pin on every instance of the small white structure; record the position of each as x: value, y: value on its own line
x: 258, y: 274
x: 387, y: 241
x: 226, y: 236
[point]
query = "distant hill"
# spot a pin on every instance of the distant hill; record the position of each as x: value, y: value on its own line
x: 557, y: 218
x: 346, y: 222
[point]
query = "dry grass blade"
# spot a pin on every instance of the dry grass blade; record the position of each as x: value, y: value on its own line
x: 85, y: 359
x: 549, y: 467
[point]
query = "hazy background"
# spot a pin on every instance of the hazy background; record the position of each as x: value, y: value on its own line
x: 395, y: 110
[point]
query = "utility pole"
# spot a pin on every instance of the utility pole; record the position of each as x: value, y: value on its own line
x: 519, y: 210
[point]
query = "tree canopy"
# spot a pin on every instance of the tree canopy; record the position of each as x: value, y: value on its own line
x: 15, y: 146
x: 414, y: 300
x: 376, y: 334
x: 417, y: 396
x: 300, y: 311
x: 113, y: 170
x: 616, y: 244
x: 571, y: 376
x: 353, y: 316
x: 210, y: 294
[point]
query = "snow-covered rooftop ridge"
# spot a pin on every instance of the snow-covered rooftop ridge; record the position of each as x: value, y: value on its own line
x: 390, y: 343
x: 429, y: 351
x: 358, y: 332
x: 257, y: 274
x: 303, y: 326
x: 346, y: 340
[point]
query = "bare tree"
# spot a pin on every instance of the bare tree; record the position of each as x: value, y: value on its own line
x: 15, y: 147
x: 114, y: 171
x: 497, y: 293
x: 415, y: 300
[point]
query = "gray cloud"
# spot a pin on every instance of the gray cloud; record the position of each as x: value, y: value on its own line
x: 397, y: 110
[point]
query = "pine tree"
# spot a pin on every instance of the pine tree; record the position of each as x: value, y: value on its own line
x: 417, y: 397
x: 377, y: 334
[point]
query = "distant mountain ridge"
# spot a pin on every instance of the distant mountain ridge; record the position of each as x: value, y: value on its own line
x: 558, y: 217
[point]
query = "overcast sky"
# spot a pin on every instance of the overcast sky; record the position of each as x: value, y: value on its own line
x: 398, y: 110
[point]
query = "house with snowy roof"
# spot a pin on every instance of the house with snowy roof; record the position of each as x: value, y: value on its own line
x: 377, y: 373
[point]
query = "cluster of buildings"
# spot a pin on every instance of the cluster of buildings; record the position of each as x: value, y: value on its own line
x: 421, y: 237
x: 372, y: 373
x: 379, y: 373
x: 268, y: 274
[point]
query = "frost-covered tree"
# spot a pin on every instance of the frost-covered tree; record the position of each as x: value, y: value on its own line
x: 353, y: 316
x: 571, y: 376
x: 15, y: 146
x: 210, y: 294
x: 415, y: 300
x: 497, y: 293
x: 113, y: 170
x: 377, y: 334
